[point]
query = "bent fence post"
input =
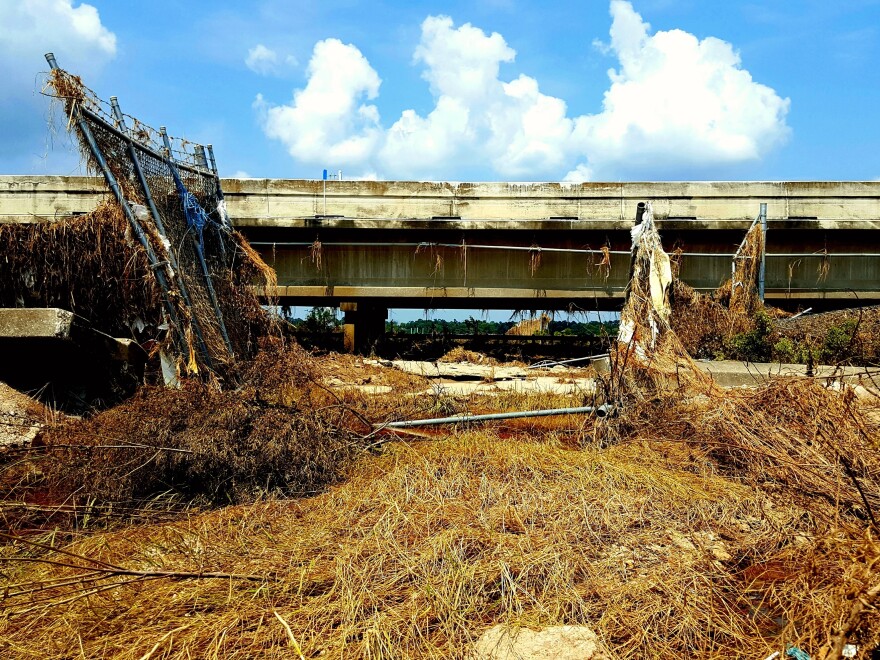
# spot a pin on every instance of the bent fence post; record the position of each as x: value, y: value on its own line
x: 157, y: 219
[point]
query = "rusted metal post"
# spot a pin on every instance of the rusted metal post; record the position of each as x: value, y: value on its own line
x: 763, y: 268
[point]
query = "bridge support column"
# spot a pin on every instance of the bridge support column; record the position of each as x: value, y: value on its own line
x: 362, y: 327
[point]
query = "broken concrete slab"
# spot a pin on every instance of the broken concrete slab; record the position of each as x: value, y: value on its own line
x: 460, y: 370
x: 72, y: 365
x: 46, y: 322
x: 55, y: 323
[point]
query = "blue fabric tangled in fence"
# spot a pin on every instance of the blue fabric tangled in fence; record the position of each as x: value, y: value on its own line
x: 196, y: 218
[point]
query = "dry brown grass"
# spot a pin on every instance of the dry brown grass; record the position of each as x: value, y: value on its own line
x: 281, y: 432
x: 86, y: 264
x: 429, y: 544
x: 744, y: 283
x: 715, y: 525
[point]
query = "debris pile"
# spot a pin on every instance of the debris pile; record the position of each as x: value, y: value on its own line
x: 796, y: 440
x: 850, y: 336
x: 647, y: 358
x: 279, y: 433
x: 705, y: 323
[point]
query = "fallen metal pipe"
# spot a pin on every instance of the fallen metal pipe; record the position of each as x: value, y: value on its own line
x: 799, y: 314
x: 599, y: 411
x: 550, y: 363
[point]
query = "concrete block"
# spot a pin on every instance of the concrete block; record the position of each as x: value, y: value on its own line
x: 43, y: 322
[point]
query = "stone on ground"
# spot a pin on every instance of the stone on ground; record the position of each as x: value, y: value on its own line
x: 559, y: 642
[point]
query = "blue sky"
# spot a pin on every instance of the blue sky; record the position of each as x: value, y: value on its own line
x: 494, y: 90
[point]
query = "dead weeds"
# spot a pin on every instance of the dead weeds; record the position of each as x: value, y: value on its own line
x: 429, y: 544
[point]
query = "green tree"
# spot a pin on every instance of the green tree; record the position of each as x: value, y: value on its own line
x: 321, y: 319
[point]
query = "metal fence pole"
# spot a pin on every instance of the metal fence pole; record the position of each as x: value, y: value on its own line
x: 763, y: 268
x: 210, y: 150
x: 160, y: 227
x: 199, y: 251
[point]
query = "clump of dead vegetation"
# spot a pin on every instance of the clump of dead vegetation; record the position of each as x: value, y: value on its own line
x: 713, y: 325
x: 732, y: 322
x: 279, y: 433
x: 88, y: 264
x: 459, y: 354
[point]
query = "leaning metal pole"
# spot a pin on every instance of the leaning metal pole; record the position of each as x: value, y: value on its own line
x: 155, y: 265
x: 599, y: 411
x: 160, y: 227
x: 763, y: 268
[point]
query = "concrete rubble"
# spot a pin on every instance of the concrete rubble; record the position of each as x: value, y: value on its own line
x: 464, y: 378
x: 21, y: 418
x: 50, y: 347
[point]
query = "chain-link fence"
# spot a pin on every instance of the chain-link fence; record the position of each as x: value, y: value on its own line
x: 169, y: 191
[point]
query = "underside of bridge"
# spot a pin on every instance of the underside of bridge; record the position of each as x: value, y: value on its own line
x: 367, y: 246
x: 366, y: 272
x: 549, y: 270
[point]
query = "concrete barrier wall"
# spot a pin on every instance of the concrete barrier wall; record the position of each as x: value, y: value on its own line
x: 366, y: 204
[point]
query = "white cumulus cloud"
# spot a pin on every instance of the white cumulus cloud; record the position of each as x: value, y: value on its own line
x: 267, y: 62
x: 33, y: 27
x: 330, y: 121
x: 28, y: 30
x: 675, y: 104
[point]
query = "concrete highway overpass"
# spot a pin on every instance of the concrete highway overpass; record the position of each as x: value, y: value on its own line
x: 371, y: 245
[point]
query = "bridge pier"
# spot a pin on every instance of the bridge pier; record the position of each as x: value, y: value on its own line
x: 363, y: 325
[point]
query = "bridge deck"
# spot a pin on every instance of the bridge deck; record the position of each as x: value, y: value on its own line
x: 399, y: 244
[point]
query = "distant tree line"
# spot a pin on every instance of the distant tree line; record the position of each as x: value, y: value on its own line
x: 326, y: 319
x: 472, y: 326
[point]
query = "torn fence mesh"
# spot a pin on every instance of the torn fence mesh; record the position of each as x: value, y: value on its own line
x: 211, y: 311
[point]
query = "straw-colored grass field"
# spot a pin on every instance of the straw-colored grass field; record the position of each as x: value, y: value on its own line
x: 665, y: 548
